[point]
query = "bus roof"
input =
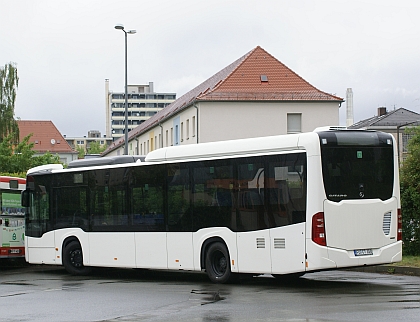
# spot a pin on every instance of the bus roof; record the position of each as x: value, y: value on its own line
x: 230, y: 148
x: 7, y: 179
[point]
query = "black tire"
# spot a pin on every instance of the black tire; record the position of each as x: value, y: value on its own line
x: 73, y: 259
x: 218, y: 263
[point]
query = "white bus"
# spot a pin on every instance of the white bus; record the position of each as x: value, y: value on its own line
x: 275, y: 205
x: 12, y: 217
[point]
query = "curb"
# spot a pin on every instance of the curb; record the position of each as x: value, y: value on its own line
x: 389, y: 269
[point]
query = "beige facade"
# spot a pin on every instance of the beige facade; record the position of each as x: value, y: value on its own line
x: 219, y: 121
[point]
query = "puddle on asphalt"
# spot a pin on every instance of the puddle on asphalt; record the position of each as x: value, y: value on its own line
x: 206, y: 296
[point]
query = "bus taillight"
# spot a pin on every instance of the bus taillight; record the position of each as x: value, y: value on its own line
x: 318, y: 229
x: 399, y: 226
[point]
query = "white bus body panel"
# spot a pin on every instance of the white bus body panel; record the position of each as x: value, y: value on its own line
x: 40, y: 250
x: 288, y: 249
x: 151, y: 250
x: 317, y: 256
x: 180, y: 251
x: 112, y: 249
x: 351, y: 225
x: 362, y: 224
x: 387, y: 254
x: 254, y: 251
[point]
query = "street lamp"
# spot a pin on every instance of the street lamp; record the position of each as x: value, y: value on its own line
x: 121, y: 27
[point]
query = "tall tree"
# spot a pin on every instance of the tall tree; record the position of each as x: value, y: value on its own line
x: 9, y: 81
x: 410, y: 195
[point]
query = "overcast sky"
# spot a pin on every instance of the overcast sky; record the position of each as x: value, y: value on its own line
x: 64, y: 50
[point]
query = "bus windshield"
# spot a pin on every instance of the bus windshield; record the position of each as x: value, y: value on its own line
x: 346, y: 157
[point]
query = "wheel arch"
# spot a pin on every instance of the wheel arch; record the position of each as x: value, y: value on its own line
x: 67, y: 241
x: 206, y: 244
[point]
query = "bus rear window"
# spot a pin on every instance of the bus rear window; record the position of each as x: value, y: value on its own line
x: 358, y: 171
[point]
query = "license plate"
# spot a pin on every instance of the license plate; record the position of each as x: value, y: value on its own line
x: 14, y: 251
x: 363, y: 252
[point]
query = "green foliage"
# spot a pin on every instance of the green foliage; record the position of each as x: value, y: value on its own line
x: 46, y: 158
x: 16, y: 159
x: 81, y: 152
x: 410, y: 195
x: 96, y: 148
x: 9, y: 81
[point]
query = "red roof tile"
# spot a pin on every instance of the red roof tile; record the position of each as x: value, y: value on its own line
x: 244, y: 82
x: 45, y: 136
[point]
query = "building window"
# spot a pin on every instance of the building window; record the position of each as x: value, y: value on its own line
x: 182, y: 131
x: 193, y: 126
x: 176, y: 135
x: 188, y: 129
x: 405, y: 138
x: 172, y: 136
x: 294, y: 123
x: 167, y: 138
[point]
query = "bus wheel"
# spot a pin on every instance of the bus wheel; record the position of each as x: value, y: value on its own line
x: 218, y: 263
x: 73, y: 259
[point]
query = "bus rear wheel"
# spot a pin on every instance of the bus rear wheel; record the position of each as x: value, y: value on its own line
x: 73, y: 259
x: 218, y: 263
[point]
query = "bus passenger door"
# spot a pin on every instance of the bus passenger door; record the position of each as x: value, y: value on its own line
x: 285, y: 199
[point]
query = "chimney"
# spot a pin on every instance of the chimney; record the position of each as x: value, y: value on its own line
x: 349, y: 106
x: 381, y: 111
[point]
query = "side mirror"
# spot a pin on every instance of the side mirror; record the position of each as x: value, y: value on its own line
x: 24, y: 198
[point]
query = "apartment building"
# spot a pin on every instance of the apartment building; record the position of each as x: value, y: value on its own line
x: 85, y: 141
x: 143, y: 103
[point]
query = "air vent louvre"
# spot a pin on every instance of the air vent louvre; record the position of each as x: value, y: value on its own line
x: 260, y: 242
x: 279, y: 243
x: 386, y: 225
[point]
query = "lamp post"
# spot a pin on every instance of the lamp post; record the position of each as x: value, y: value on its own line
x: 121, y: 27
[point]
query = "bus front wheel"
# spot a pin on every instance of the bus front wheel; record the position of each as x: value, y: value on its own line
x: 73, y: 259
x: 218, y: 263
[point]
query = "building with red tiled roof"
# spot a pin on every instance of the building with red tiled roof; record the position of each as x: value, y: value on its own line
x: 47, y: 138
x: 256, y: 95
